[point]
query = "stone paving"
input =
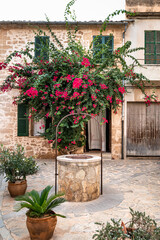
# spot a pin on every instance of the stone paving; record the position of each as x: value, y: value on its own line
x: 127, y: 183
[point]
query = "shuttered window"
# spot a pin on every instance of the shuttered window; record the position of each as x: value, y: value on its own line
x: 23, y: 123
x: 152, y: 47
x: 98, y: 42
x: 42, y: 47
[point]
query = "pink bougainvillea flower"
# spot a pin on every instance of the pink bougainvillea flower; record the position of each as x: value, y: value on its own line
x: 84, y: 86
x: 72, y: 112
x: 45, y: 92
x: 77, y: 82
x: 109, y: 98
x: 94, y: 105
x: 84, y: 108
x: 55, y: 78
x: 59, y: 140
x: 47, y: 115
x: 85, y: 76
x: 76, y: 94
x: 83, y: 116
x: 32, y: 92
x: 51, y: 95
x: 118, y: 101
x: 33, y: 109
x: 59, y: 132
x: 85, y: 62
x: 121, y: 90
x: 93, y: 97
x: 90, y: 82
x: 43, y: 98
x: 46, y: 86
x: 105, y: 120
x: 73, y: 142
x: 29, y: 116
x: 43, y: 125
x: 50, y: 141
x: 57, y: 85
x: 65, y: 147
x: 103, y: 86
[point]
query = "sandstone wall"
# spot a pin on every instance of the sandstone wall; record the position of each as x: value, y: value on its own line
x: 15, y: 37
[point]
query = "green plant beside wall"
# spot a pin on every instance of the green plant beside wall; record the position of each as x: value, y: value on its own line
x: 15, y: 165
x: 140, y: 227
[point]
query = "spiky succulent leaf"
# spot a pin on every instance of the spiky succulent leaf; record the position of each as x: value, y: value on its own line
x: 52, y: 197
x: 44, y: 194
x: 56, y: 203
x: 25, y: 198
x: 19, y: 206
x: 35, y: 196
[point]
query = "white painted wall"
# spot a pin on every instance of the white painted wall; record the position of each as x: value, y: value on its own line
x: 136, y: 34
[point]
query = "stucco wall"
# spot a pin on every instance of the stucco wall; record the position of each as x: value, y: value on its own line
x: 143, y: 5
x: 15, y: 37
x: 136, y: 34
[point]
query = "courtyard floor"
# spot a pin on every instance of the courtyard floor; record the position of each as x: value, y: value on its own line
x: 126, y: 183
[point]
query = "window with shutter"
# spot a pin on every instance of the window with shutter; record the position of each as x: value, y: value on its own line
x: 152, y: 47
x: 99, y: 41
x: 23, y: 123
x: 42, y: 47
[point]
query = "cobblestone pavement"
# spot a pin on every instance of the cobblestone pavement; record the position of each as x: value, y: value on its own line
x: 130, y: 183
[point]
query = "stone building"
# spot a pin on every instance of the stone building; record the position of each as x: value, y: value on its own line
x: 142, y: 123
x: 14, y: 36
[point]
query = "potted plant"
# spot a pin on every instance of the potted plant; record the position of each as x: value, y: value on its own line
x: 16, y: 167
x: 41, y: 220
x: 139, y: 227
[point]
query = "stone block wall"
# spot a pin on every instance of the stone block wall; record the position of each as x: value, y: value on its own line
x: 14, y: 36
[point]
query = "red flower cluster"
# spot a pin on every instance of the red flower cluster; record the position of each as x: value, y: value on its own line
x: 77, y: 82
x: 85, y: 62
x: 121, y: 90
x: 103, y: 86
x: 32, y: 92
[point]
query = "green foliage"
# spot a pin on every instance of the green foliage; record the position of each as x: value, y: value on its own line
x: 140, y: 227
x: 71, y: 77
x: 39, y: 204
x: 15, y: 165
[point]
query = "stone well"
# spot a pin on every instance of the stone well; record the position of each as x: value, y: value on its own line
x: 79, y: 177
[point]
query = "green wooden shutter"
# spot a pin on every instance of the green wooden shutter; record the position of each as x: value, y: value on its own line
x: 152, y: 47
x: 109, y: 41
x: 23, y: 123
x: 42, y: 47
x: 98, y: 42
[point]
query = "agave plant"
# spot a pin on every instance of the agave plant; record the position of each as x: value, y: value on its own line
x: 39, y: 204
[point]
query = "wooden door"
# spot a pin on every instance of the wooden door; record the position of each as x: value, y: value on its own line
x: 143, y: 129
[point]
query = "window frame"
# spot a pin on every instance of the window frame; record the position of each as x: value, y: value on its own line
x: 148, y: 43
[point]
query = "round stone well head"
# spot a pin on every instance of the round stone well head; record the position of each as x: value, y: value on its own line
x: 79, y: 177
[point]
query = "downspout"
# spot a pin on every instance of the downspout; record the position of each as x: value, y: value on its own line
x: 122, y: 149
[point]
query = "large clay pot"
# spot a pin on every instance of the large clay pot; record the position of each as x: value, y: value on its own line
x: 18, y: 188
x: 41, y: 228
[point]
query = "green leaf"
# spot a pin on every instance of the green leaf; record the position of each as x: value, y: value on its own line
x: 44, y: 194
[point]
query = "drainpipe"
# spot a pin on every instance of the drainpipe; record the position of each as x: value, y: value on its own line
x: 122, y: 149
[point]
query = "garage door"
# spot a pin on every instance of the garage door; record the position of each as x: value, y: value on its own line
x: 143, y: 129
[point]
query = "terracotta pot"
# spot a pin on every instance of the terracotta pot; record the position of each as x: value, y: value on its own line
x: 41, y: 228
x: 18, y: 188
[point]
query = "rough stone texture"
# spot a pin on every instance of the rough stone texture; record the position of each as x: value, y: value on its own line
x: 79, y: 180
x: 131, y: 183
x: 14, y: 37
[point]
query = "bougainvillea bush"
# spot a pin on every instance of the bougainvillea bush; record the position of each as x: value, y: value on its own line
x: 70, y: 78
